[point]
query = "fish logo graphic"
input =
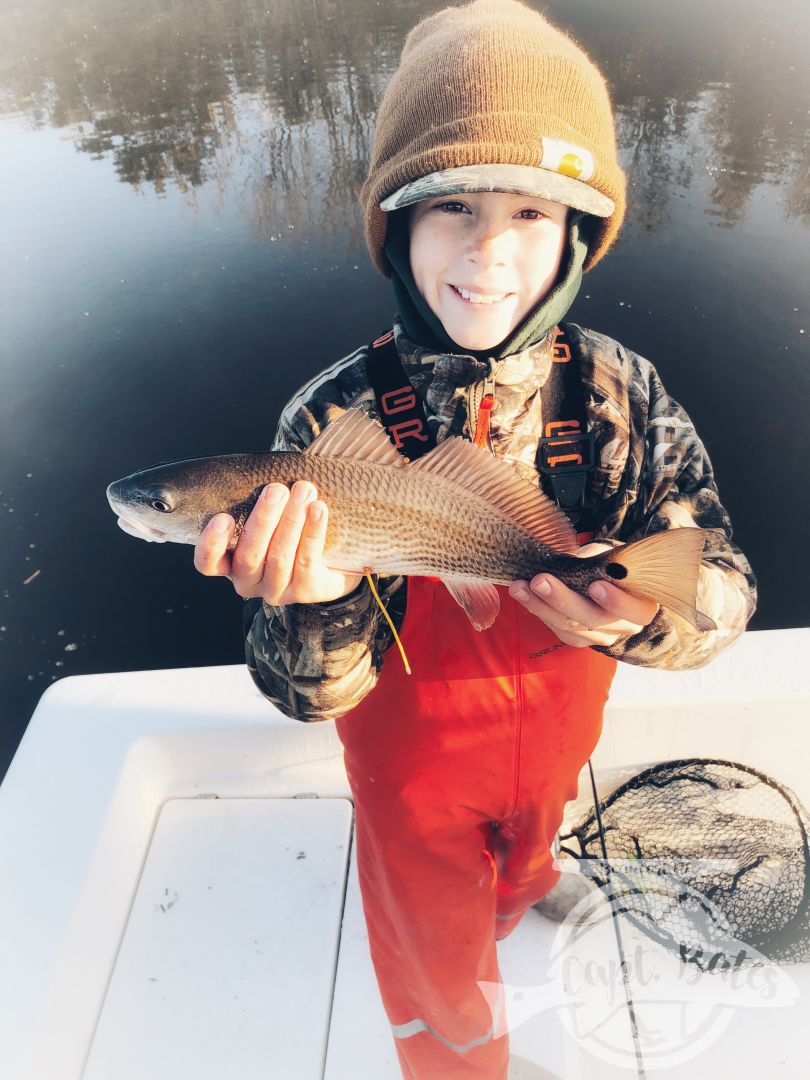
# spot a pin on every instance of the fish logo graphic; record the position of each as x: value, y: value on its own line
x: 680, y: 1009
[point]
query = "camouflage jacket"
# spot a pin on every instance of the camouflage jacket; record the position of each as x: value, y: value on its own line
x: 317, y: 661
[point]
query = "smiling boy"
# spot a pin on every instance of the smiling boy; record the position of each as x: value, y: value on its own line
x: 494, y: 183
x: 506, y: 249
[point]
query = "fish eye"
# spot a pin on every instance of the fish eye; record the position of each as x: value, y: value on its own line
x: 159, y: 500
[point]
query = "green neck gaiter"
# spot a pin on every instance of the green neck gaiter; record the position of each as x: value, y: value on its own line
x: 424, y: 328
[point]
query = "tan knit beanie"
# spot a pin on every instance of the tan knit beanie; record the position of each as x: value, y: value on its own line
x: 492, y: 84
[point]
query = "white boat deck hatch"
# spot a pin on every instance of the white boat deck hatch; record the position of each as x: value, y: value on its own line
x: 227, y: 963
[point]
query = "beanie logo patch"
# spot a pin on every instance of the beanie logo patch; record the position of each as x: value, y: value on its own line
x: 564, y: 157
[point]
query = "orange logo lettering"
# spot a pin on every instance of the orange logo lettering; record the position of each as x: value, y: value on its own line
x: 552, y: 461
x: 560, y: 426
x: 408, y: 429
x: 398, y: 400
x: 560, y: 353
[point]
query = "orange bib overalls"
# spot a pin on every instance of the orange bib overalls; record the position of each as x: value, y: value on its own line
x: 460, y: 773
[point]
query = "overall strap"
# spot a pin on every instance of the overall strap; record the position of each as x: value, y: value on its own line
x: 400, y: 408
x: 565, y: 453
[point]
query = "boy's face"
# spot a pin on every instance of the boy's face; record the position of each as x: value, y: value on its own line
x: 508, y: 247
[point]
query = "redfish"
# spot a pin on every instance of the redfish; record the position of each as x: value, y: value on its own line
x: 458, y: 513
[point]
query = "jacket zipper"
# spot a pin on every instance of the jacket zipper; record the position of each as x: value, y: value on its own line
x: 481, y: 409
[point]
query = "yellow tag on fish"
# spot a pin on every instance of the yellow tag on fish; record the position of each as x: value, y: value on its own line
x: 388, y: 620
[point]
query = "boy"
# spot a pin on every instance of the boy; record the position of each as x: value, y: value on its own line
x: 493, y: 183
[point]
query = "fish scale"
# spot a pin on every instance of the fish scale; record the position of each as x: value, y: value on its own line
x: 382, y: 517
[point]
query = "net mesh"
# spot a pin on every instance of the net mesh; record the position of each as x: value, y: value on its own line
x: 709, y: 857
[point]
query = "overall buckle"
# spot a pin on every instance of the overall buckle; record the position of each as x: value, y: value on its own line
x: 567, y: 460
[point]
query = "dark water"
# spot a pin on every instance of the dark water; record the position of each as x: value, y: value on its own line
x: 181, y: 248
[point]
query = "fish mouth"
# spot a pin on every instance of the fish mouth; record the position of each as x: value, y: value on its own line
x: 131, y: 525
x: 141, y: 531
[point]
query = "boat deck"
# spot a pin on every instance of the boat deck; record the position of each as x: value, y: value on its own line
x: 180, y: 894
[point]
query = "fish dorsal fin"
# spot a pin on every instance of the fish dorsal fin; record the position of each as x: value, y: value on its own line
x: 355, y: 435
x: 495, y: 480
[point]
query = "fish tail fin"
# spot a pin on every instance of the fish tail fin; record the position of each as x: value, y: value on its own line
x: 663, y: 567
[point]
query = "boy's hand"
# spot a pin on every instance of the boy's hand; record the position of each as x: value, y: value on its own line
x: 279, y: 554
x: 576, y: 620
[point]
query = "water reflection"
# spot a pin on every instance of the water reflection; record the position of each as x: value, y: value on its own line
x: 263, y: 99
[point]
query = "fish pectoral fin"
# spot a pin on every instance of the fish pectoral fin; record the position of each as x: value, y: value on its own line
x: 479, y: 599
x: 356, y: 435
x: 500, y: 485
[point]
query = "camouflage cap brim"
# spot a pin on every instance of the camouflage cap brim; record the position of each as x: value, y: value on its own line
x: 514, y: 179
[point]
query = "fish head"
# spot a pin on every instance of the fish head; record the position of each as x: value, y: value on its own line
x: 170, y: 503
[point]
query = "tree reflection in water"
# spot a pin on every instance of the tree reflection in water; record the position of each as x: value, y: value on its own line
x: 270, y: 96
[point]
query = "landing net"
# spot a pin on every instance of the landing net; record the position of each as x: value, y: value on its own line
x: 708, y: 857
